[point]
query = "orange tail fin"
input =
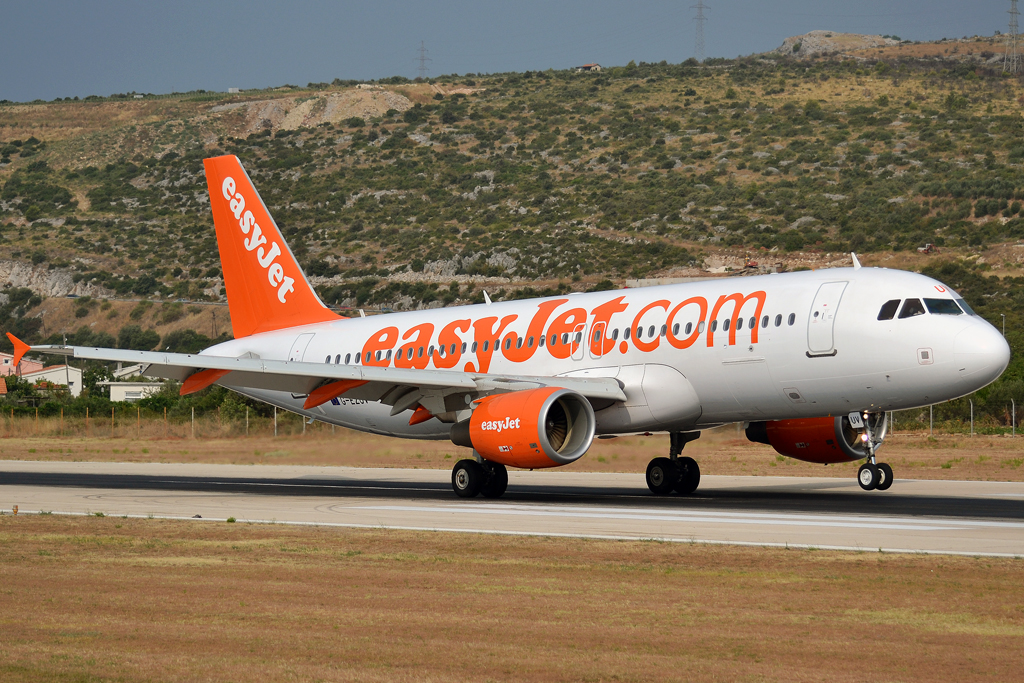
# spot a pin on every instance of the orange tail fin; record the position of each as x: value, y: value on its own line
x: 266, y: 288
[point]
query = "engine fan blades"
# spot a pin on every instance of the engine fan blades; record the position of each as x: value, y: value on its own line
x: 557, y: 425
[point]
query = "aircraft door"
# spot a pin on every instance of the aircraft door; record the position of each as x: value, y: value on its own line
x: 299, y: 347
x: 597, y: 340
x: 820, y: 340
x: 577, y: 341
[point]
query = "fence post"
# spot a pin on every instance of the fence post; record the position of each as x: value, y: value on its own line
x: 165, y: 422
x: 138, y: 422
x: 275, y: 420
x: 1013, y: 418
x: 193, y: 422
x: 87, y: 420
x: 247, y: 420
x: 62, y: 420
x: 972, y: 415
x: 111, y: 423
x: 931, y: 420
x: 37, y: 420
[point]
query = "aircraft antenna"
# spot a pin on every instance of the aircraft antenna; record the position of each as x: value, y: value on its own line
x: 423, y: 59
x: 856, y: 261
x: 1011, y: 59
x: 698, y: 44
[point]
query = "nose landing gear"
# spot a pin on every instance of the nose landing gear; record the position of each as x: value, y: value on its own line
x: 872, y: 476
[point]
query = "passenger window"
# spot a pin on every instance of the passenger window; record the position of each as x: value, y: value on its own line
x: 675, y: 329
x: 689, y: 328
x: 725, y: 325
x: 625, y: 333
x: 540, y: 341
x: 487, y: 344
x: 529, y: 343
x: 348, y: 357
x: 473, y: 348
x: 752, y: 323
x: 639, y: 333
x: 664, y: 330
x: 714, y: 325
x: 328, y: 359
x: 615, y: 334
x: 463, y: 347
x: 792, y: 318
x: 889, y: 309
x: 942, y: 307
x: 778, y: 320
x: 419, y: 353
x: 700, y: 327
x: 764, y: 322
x: 911, y: 308
x: 739, y: 323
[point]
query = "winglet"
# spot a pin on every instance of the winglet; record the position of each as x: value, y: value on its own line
x: 20, y: 348
x: 856, y: 261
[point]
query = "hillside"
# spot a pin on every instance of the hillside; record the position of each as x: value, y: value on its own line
x: 401, y: 195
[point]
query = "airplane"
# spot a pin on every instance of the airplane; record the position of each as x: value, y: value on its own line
x: 810, y: 362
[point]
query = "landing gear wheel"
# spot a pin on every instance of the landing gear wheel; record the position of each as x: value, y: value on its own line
x: 884, y: 476
x: 468, y: 478
x: 497, y: 482
x: 689, y: 476
x: 662, y: 475
x: 868, y: 476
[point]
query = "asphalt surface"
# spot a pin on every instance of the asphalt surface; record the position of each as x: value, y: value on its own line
x: 914, y: 515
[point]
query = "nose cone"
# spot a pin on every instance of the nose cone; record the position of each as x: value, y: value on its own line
x: 981, y: 354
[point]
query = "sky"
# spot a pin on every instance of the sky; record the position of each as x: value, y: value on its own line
x: 53, y: 48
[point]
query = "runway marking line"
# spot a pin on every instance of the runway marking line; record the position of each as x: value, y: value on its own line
x: 544, y: 534
x: 778, y: 519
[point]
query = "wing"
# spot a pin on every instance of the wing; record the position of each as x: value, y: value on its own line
x: 438, y: 391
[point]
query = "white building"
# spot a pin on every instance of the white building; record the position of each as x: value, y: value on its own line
x: 62, y: 375
x: 121, y: 392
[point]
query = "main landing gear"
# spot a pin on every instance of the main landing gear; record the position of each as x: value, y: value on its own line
x: 674, y: 473
x: 471, y: 478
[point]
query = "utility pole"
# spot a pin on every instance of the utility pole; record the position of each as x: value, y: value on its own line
x: 698, y: 44
x: 1011, y: 59
x: 423, y: 59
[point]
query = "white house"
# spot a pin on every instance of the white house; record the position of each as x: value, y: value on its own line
x: 121, y: 392
x: 63, y: 375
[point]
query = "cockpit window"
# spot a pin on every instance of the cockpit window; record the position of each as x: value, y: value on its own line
x: 942, y: 307
x: 888, y: 309
x: 967, y: 309
x: 911, y: 308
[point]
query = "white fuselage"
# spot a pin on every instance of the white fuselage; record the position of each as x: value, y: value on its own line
x: 818, y: 349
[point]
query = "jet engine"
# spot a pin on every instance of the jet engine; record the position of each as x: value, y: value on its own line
x: 823, y: 440
x: 531, y: 429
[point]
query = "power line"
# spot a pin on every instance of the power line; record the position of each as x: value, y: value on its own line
x: 698, y: 46
x: 1011, y: 58
x: 423, y: 61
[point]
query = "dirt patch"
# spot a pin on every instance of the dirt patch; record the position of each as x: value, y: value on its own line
x: 722, y: 451
x: 108, y: 598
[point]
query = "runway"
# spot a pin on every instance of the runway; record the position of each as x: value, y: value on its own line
x: 970, y: 518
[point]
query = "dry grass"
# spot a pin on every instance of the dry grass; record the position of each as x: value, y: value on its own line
x: 89, y: 599
x: 720, y: 451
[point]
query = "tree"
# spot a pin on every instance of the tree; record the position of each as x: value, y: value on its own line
x: 134, y: 337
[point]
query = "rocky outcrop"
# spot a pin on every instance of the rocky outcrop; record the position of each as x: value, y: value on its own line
x: 46, y: 282
x: 829, y: 42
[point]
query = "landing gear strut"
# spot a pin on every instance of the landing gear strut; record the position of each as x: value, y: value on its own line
x: 471, y: 478
x: 873, y: 475
x: 674, y: 473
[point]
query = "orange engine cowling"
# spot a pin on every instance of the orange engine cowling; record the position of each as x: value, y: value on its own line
x: 531, y: 429
x: 820, y: 440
